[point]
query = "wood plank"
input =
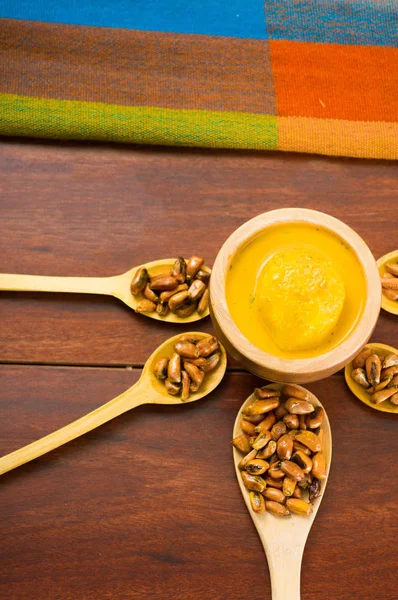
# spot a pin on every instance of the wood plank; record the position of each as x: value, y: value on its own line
x: 148, y: 504
x: 91, y: 209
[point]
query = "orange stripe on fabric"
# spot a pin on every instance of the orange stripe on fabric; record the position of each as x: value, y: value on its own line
x: 333, y: 81
x: 136, y: 68
x: 338, y: 137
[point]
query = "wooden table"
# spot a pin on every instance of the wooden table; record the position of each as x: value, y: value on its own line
x: 148, y: 505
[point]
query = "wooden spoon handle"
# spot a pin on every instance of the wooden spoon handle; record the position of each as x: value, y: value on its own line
x: 285, y: 566
x: 43, y: 283
x: 134, y: 396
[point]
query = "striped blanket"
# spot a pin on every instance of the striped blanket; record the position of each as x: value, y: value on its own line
x: 295, y: 75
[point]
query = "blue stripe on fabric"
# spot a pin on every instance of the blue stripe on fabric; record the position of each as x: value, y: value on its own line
x: 371, y: 23
x: 238, y: 18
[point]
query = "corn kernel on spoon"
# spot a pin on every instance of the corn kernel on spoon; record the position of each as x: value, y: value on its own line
x: 284, y: 538
x: 147, y: 390
x: 117, y: 286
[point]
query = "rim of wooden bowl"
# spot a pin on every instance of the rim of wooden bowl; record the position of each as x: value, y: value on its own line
x: 304, y: 369
x: 390, y: 306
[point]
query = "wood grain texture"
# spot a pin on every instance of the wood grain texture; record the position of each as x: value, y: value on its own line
x: 86, y: 209
x: 149, y: 505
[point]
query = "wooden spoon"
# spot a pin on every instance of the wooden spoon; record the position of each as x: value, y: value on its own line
x: 284, y: 538
x: 117, y: 286
x: 147, y: 390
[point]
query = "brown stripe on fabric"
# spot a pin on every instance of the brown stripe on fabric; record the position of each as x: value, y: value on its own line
x: 135, y: 68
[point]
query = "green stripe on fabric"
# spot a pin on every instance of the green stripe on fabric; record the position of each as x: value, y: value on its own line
x: 65, y: 119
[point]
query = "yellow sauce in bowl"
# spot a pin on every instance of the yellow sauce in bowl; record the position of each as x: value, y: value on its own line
x: 295, y: 290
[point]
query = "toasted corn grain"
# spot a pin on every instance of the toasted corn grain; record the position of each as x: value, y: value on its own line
x: 302, y: 460
x: 277, y: 509
x: 268, y: 451
x: 272, y: 493
x: 309, y: 439
x: 163, y: 283
x: 150, y: 295
x: 257, y: 466
x: 394, y: 399
x: 179, y: 300
x: 190, y: 337
x: 302, y: 422
x: 390, y: 361
x: 174, y: 368
x: 389, y: 283
x: 319, y: 465
x: 314, y: 490
x: 316, y: 418
x: 289, y: 485
x: 390, y: 371
x: 193, y: 266
x: 241, y: 442
x: 203, y: 302
x: 292, y: 470
x: 186, y: 349
x: 256, y: 419
x: 172, y: 388
x: 383, y: 384
x: 291, y: 421
x: 160, y: 368
x: 198, y: 362
x: 207, y: 346
x: 203, y: 276
x: 247, y: 427
x: 280, y: 411
x: 194, y: 373
x: 185, y: 381
x: 165, y: 296
x: 299, y: 506
x: 261, y: 440
x: 360, y: 360
x: 293, y: 433
x: 211, y: 363
x: 306, y: 482
x: 139, y: 281
x: 251, y: 456
x: 278, y: 430
x: 179, y: 270
x: 275, y: 471
x: 196, y: 290
x: 393, y: 382
x: 297, y: 446
x: 162, y: 309
x: 294, y: 391
x: 383, y: 395
x: 391, y: 294
x: 359, y: 376
x: 145, y: 306
x: 264, y: 393
x: 297, y: 492
x: 257, y: 502
x: 298, y: 407
x: 284, y: 447
x: 259, y: 407
x: 253, y: 482
x: 392, y: 268
x: 373, y: 369
x: 185, y: 311
x: 267, y: 423
x: 275, y: 483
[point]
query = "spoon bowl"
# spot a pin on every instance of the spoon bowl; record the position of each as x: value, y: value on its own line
x: 147, y: 390
x: 117, y: 286
x: 284, y: 538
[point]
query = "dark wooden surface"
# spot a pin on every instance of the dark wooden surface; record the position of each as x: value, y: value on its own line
x: 148, y: 505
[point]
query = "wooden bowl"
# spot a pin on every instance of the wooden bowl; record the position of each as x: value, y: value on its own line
x: 389, y: 305
x: 267, y: 365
